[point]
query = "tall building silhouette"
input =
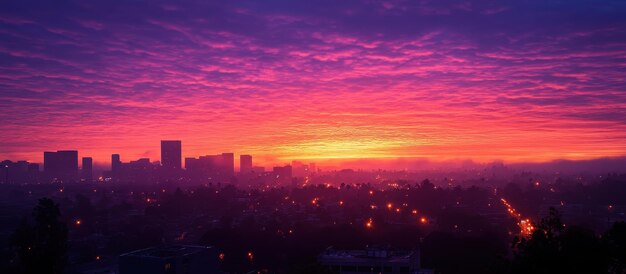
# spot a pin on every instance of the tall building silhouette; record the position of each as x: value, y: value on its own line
x: 245, y: 164
x: 116, y: 163
x: 229, y: 164
x: 61, y: 165
x: 171, y: 155
x: 87, y: 171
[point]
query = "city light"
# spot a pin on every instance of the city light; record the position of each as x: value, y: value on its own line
x: 526, y: 226
x: 369, y: 224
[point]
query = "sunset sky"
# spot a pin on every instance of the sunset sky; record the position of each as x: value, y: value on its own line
x: 483, y: 80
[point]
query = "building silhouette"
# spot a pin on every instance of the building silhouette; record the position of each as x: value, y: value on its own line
x: 282, y: 175
x: 116, y: 163
x: 228, y: 164
x: 87, y: 170
x: 116, y: 167
x: 171, y: 154
x: 19, y: 172
x: 245, y: 164
x: 61, y: 165
x: 218, y: 168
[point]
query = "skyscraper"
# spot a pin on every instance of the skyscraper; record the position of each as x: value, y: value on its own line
x: 228, y: 164
x: 116, y: 163
x: 61, y: 165
x: 245, y: 164
x: 87, y: 171
x: 171, y: 155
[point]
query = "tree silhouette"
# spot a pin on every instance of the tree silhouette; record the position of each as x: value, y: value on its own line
x: 616, y: 240
x: 554, y: 248
x: 41, y: 248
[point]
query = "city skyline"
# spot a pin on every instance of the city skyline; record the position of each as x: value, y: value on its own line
x: 322, y: 82
x: 115, y: 160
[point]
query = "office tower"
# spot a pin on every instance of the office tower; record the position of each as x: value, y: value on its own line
x: 87, y: 171
x: 116, y: 163
x: 61, y: 165
x: 245, y: 164
x: 228, y: 164
x: 171, y: 155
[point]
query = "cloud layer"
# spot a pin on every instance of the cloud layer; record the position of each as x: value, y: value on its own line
x: 484, y: 80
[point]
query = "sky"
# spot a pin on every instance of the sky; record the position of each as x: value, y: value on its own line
x: 517, y: 81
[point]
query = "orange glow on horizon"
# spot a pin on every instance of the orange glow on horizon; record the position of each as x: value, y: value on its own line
x: 369, y: 142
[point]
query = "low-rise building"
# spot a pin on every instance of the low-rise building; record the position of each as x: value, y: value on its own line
x: 372, y: 260
x: 170, y: 260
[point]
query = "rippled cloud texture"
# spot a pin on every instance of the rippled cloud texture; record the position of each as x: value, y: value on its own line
x: 482, y: 80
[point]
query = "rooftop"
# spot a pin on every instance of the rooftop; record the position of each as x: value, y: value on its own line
x: 367, y: 254
x: 163, y: 252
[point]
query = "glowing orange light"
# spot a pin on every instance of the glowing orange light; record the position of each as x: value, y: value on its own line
x: 221, y: 256
x: 526, y: 227
x: 423, y: 220
x: 77, y: 222
x: 414, y: 211
x: 250, y: 255
x: 389, y: 205
x: 340, y: 202
x: 398, y: 210
x: 97, y: 258
x: 369, y: 223
x: 371, y: 192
